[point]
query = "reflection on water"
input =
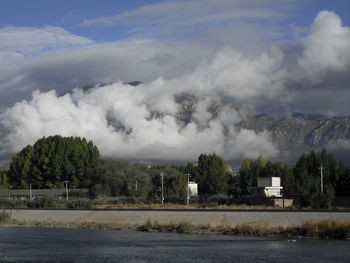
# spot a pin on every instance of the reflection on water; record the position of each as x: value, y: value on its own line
x: 63, y: 245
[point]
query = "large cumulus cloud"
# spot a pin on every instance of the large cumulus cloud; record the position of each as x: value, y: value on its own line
x: 311, y: 76
x: 327, y: 48
x: 120, y: 119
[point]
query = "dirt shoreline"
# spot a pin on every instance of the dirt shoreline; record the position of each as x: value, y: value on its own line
x: 324, y: 229
x: 289, y: 224
x: 139, y: 217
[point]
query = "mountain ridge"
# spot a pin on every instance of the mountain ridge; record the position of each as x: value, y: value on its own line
x: 291, y: 135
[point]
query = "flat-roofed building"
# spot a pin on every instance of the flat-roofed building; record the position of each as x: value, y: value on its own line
x: 268, y: 187
x: 193, y: 188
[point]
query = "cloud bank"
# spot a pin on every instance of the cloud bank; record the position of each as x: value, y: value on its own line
x: 188, y: 17
x: 142, y: 122
x: 21, y: 42
x: 122, y: 121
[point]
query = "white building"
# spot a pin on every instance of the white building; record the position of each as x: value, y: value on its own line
x: 193, y: 188
x: 268, y: 187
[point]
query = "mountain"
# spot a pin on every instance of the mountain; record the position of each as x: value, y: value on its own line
x: 292, y: 135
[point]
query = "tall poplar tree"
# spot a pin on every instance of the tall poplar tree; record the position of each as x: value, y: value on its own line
x: 52, y: 160
x: 212, y: 175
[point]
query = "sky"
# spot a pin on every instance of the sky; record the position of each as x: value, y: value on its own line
x: 264, y: 56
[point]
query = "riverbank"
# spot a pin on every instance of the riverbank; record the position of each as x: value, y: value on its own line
x: 200, y: 217
x: 256, y: 223
x: 324, y: 229
x: 24, y: 244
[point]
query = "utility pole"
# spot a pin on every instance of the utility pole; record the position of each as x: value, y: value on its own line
x: 161, y: 175
x: 66, y: 182
x: 188, y: 189
x: 321, y: 168
x: 136, y: 186
x: 30, y: 192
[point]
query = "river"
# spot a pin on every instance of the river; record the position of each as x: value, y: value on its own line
x: 66, y: 245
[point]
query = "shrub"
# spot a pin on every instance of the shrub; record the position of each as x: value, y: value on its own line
x: 79, y: 203
x: 4, y: 215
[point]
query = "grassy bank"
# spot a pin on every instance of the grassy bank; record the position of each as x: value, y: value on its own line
x: 185, y: 207
x: 4, y: 216
x: 113, y: 203
x: 324, y: 229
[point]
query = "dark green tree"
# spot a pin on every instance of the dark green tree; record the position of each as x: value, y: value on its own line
x: 234, y: 188
x: 212, y: 175
x: 250, y: 171
x: 307, y: 175
x: 192, y: 170
x: 342, y: 187
x: 118, y: 178
x: 4, y: 181
x: 52, y: 160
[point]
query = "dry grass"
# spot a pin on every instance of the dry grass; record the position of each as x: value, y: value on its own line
x: 324, y: 229
x: 4, y: 216
x: 184, y: 207
x: 178, y: 227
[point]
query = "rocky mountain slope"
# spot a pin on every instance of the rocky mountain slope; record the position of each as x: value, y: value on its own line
x: 294, y: 136
x: 291, y: 135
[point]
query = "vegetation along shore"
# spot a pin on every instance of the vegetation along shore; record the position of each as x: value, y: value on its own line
x: 69, y: 163
x: 56, y: 162
x: 323, y: 229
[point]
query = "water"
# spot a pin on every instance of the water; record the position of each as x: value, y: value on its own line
x: 64, y: 245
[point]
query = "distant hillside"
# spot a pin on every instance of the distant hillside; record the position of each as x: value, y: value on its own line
x: 295, y: 136
x: 291, y: 135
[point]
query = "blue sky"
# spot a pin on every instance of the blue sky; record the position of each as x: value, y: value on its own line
x: 70, y: 14
x: 67, y: 14
x: 36, y: 32
x: 264, y: 56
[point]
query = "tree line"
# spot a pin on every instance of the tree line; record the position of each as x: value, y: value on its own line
x: 50, y: 162
x: 55, y: 159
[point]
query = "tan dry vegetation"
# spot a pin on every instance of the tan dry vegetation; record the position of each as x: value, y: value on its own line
x: 324, y: 229
x: 185, y: 207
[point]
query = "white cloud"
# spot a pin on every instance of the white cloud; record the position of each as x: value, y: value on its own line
x: 340, y: 144
x: 118, y: 118
x: 327, y: 48
x: 340, y: 148
x: 21, y: 42
x: 231, y: 74
x: 184, y: 17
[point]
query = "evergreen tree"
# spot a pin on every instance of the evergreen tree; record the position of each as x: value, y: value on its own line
x: 191, y: 170
x: 212, y: 175
x: 308, y: 179
x: 4, y: 181
x: 249, y: 172
x: 52, y: 160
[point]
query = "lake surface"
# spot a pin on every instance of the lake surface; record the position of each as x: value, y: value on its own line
x: 66, y: 245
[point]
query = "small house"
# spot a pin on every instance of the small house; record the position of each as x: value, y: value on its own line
x: 193, y: 187
x: 267, y: 187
